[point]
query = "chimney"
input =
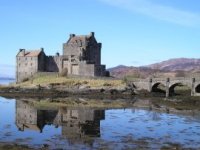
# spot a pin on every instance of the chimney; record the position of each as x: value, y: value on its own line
x: 57, y: 54
x: 92, y: 34
x: 72, y: 35
x: 42, y: 49
x: 22, y: 51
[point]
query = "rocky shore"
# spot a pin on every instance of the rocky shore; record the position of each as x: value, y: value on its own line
x: 63, y: 91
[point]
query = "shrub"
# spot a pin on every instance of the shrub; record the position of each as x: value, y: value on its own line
x: 25, y: 79
x: 64, y: 72
x: 125, y: 80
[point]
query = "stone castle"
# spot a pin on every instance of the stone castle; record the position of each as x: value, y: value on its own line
x: 81, y: 56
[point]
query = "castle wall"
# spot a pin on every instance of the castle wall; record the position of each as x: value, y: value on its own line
x: 94, y: 53
x: 26, y: 67
x: 41, y: 62
x: 71, y: 49
x: 100, y: 70
x: 86, y: 69
x: 52, y: 64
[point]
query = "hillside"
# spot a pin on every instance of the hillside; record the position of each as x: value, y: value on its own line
x: 136, y: 72
x: 183, y: 64
x: 171, y: 67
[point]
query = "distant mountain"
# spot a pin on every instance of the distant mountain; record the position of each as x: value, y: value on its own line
x: 183, y: 64
x: 121, y: 71
x: 166, y: 68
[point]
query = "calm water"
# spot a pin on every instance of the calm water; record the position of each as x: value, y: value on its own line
x: 83, y: 128
x: 6, y: 82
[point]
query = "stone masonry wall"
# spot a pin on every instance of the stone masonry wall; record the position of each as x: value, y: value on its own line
x: 87, y: 69
x: 26, y: 67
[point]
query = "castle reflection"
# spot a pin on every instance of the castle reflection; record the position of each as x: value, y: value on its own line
x: 77, y: 123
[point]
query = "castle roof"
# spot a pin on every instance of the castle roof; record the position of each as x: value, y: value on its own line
x: 31, y: 53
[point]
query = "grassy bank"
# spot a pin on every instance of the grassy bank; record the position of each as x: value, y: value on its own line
x: 45, y: 80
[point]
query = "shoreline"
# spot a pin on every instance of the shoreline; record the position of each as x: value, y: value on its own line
x: 58, y: 87
x: 103, y: 99
x: 62, y: 93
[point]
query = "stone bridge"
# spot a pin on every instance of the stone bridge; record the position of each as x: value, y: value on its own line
x: 152, y: 84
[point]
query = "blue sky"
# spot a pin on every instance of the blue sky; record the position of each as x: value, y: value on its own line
x: 133, y: 32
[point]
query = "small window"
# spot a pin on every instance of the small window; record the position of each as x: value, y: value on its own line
x: 19, y: 58
x: 19, y: 65
x: 31, y: 64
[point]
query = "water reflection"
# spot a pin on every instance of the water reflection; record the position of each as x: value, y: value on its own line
x: 86, y: 128
x: 77, y: 123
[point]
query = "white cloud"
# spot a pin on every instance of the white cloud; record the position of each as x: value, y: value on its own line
x: 158, y: 11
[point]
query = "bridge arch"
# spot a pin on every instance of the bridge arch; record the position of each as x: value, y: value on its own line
x: 174, y: 85
x: 155, y: 86
x: 197, y: 88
